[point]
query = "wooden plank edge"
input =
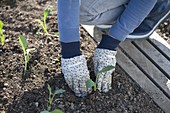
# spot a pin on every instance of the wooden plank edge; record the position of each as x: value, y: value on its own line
x: 160, y: 44
x: 89, y: 29
x: 154, y: 56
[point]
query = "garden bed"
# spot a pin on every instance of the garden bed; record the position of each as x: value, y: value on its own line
x: 29, y: 94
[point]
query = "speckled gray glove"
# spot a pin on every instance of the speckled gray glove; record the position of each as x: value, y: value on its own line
x: 103, y: 58
x: 76, y: 74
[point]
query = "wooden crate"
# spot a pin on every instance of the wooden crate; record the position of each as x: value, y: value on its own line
x: 148, y: 63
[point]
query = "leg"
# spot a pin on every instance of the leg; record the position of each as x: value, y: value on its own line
x: 74, y: 66
x: 96, y: 12
x: 159, y: 13
x: 99, y: 13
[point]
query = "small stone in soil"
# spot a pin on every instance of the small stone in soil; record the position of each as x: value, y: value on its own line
x: 72, y: 106
x: 36, y: 104
x: 5, y: 84
x: 4, y: 89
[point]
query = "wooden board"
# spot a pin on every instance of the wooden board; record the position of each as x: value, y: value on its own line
x: 148, y: 63
x: 146, y: 66
x: 155, y: 56
x: 89, y: 29
x: 145, y: 83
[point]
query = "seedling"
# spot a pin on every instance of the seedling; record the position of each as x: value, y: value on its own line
x: 51, y: 99
x: 44, y: 23
x: 25, y: 49
x: 2, y: 36
x: 90, y: 83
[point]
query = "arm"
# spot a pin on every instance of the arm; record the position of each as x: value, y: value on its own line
x: 131, y: 18
x: 68, y: 20
x: 105, y: 53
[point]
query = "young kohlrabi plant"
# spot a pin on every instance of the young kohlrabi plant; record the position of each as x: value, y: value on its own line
x: 44, y: 23
x: 25, y: 49
x: 90, y: 83
x: 51, y: 99
x: 2, y: 36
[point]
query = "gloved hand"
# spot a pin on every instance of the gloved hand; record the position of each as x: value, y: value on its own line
x: 76, y: 74
x: 103, y: 58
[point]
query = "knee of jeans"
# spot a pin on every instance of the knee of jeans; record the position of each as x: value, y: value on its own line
x: 87, y: 19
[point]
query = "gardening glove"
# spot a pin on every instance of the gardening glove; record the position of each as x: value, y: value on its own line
x: 103, y: 58
x: 76, y: 74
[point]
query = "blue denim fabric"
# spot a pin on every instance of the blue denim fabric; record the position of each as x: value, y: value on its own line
x: 124, y: 15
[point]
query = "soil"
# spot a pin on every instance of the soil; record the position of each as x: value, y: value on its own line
x: 164, y: 30
x: 28, y: 93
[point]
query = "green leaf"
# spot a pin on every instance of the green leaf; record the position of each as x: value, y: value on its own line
x: 27, y: 58
x: 50, y: 100
x: 2, y: 39
x: 90, y: 84
x: 1, y: 26
x: 40, y: 22
x: 2, y: 36
x: 49, y: 90
x: 107, y: 68
x: 57, y: 111
x: 23, y: 43
x: 49, y: 108
x: 45, y: 111
x: 59, y: 91
x: 43, y: 25
x: 57, y: 99
x: 46, y: 13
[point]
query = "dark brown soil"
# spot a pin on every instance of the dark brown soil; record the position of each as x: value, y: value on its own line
x: 164, y: 30
x: 28, y: 93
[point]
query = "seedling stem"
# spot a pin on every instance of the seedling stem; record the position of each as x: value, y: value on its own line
x: 2, y: 36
